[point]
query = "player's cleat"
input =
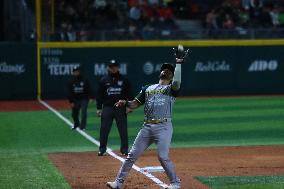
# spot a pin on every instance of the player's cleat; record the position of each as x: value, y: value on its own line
x: 173, y: 186
x: 102, y: 154
x: 124, y: 153
x: 113, y: 185
x: 74, y: 128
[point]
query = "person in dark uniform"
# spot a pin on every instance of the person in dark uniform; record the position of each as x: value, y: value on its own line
x: 113, y: 87
x: 79, y: 94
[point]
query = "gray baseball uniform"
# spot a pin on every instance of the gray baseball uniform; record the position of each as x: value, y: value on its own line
x: 157, y: 128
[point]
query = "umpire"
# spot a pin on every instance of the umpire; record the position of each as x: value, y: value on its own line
x: 113, y: 87
x: 79, y: 94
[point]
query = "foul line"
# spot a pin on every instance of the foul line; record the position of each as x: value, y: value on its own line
x: 109, y: 151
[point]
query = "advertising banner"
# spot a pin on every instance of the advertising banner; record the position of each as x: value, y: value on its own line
x: 140, y: 65
x: 261, y: 70
x: 208, y: 70
x: 17, y: 71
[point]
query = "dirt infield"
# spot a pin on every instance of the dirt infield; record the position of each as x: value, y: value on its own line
x: 87, y: 170
x: 31, y: 105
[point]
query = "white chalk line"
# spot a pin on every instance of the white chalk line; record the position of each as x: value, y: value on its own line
x: 109, y: 150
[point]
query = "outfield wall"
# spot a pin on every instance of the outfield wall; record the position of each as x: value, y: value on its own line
x: 219, y: 70
x: 215, y: 68
x: 18, y: 71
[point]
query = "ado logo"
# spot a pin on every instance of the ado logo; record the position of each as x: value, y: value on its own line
x: 263, y: 65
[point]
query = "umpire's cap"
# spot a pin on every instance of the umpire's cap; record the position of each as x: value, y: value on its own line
x: 113, y: 63
x: 168, y: 66
x: 76, y: 68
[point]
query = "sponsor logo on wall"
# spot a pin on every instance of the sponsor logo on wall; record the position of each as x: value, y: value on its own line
x: 150, y: 68
x: 100, y: 69
x: 61, y: 69
x: 263, y: 66
x: 212, y: 66
x: 17, y: 68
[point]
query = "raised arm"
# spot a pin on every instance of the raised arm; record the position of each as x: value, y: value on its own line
x: 180, y: 54
x: 177, y: 76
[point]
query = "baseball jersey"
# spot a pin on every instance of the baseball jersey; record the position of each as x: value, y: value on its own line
x: 113, y: 88
x: 78, y: 88
x: 158, y: 99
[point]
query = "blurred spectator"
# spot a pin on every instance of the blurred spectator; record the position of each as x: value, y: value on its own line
x: 228, y: 22
x: 247, y: 4
x: 135, y: 13
x: 265, y: 18
x: 100, y: 4
x: 153, y: 2
x: 228, y: 26
x: 147, y: 12
x: 133, y: 31
x: 83, y: 20
x: 274, y: 14
x: 281, y: 18
x: 165, y: 12
x: 167, y: 2
x: 156, y: 19
x: 148, y: 31
x: 244, y: 17
x: 256, y: 11
x: 67, y: 33
x: 132, y: 3
x: 211, y: 23
x: 211, y: 19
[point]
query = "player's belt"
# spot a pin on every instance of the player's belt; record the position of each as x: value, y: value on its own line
x: 156, y: 121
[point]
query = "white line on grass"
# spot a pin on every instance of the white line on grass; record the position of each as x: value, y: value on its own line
x: 109, y: 151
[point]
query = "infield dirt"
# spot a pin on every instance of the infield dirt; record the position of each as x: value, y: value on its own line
x: 32, y: 105
x: 86, y: 170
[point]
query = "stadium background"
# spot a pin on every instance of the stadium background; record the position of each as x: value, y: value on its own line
x: 216, y: 67
x: 239, y: 54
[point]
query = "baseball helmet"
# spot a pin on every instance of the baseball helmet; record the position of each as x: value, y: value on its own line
x: 168, y: 66
x: 113, y: 63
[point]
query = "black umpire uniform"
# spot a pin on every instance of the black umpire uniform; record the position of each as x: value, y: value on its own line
x: 79, y: 94
x: 112, y: 88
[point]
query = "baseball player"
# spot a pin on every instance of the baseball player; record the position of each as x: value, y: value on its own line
x: 159, y: 100
x: 79, y: 95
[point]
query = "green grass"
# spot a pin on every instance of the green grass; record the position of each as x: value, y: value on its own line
x: 27, y: 137
x: 25, y: 140
x: 29, y: 170
x: 213, y: 122
x: 248, y: 182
